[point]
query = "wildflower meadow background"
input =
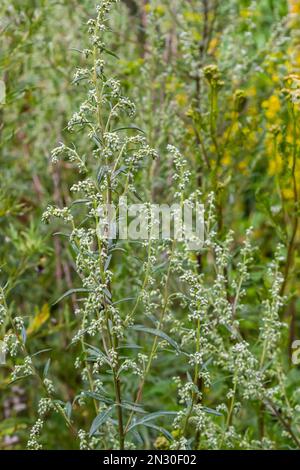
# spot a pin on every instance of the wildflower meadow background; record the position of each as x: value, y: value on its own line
x: 145, y: 344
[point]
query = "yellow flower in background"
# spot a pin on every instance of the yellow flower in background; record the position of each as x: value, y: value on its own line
x: 181, y: 99
x: 297, y: 57
x: 294, y: 6
x: 196, y: 35
x: 245, y: 13
x: 226, y: 160
x: 147, y: 8
x: 275, y: 164
x: 252, y: 91
x: 272, y: 107
x: 243, y: 166
x: 173, y: 85
x: 160, y: 10
x: 193, y: 17
x: 288, y: 193
x: 213, y: 45
x: 275, y: 78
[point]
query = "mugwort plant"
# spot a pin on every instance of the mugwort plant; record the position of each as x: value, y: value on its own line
x: 156, y: 307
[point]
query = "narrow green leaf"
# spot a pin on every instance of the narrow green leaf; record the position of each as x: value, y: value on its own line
x: 110, y: 52
x: 211, y: 411
x: 46, y: 368
x: 70, y: 292
x: 162, y: 430
x: 132, y: 407
x: 68, y: 409
x: 158, y: 333
x: 79, y: 201
x: 40, y: 352
x: 23, y: 334
x: 123, y: 300
x: 151, y: 417
x: 99, y: 397
x: 134, y: 128
x: 100, y: 419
